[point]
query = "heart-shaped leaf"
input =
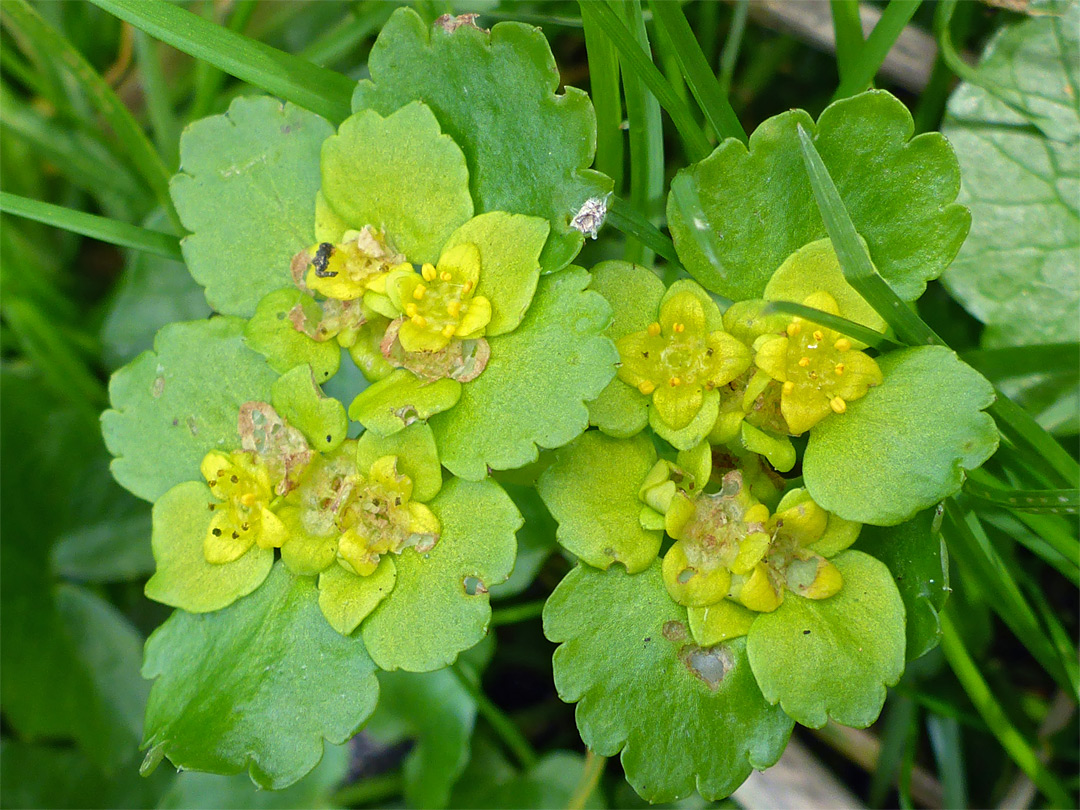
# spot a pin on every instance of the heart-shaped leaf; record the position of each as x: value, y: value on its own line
x: 173, y: 405
x: 528, y: 148
x: 833, y: 658
x: 257, y: 686
x: 247, y: 192
x: 684, y: 717
x: 535, y: 386
x: 904, y: 446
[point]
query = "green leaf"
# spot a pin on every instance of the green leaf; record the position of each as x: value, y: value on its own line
x: 528, y: 148
x: 397, y: 401
x: 257, y: 686
x: 299, y: 401
x: 833, y: 658
x: 756, y: 207
x: 906, y: 445
x: 247, y: 192
x: 919, y: 563
x: 509, y: 246
x: 417, y: 457
x: 535, y: 540
x: 634, y: 293
x: 548, y: 785
x: 184, y: 579
x: 401, y: 174
x: 439, y: 606
x: 683, y: 717
x: 1019, y: 272
x: 592, y: 491
x: 272, y: 334
x: 151, y: 293
x: 433, y: 709
x: 173, y: 405
x: 533, y: 391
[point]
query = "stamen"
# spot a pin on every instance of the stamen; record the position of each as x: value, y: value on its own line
x: 804, y: 361
x: 410, y: 310
x: 448, y: 330
x: 679, y: 328
x: 675, y: 382
x: 428, y: 272
x: 454, y: 308
x: 646, y: 387
x: 418, y: 293
x: 654, y: 329
x: 839, y: 368
x: 842, y: 345
x: 838, y: 404
x: 788, y: 387
x: 794, y: 329
x: 419, y: 320
x: 446, y: 276
x: 819, y: 335
x: 467, y: 287
x: 248, y: 499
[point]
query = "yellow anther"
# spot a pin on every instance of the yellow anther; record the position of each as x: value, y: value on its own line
x: 794, y: 329
x: 248, y: 499
x: 804, y: 361
x: 819, y: 335
x: 467, y: 287
x: 654, y: 329
x: 428, y: 272
x: 419, y: 320
x: 646, y: 387
x: 674, y: 382
x: 418, y: 293
x: 839, y: 368
x: 838, y: 404
x: 448, y: 330
x: 410, y: 310
x: 842, y: 345
x: 789, y: 386
x: 679, y: 327
x: 454, y: 308
x: 445, y: 276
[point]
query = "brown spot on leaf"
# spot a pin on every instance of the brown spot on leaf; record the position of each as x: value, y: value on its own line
x: 675, y: 632
x: 449, y: 23
x: 709, y: 665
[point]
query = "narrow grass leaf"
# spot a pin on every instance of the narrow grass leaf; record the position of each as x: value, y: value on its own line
x: 626, y: 218
x: 841, y: 325
x: 872, y: 54
x: 946, y: 742
x: 607, y: 100
x: 847, y: 28
x: 729, y: 56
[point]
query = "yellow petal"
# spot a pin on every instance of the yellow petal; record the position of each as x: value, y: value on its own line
x: 816, y: 578
x: 758, y: 592
x: 272, y: 531
x: 224, y: 541
x: 476, y: 318
x: 689, y: 586
x: 771, y: 357
x: 803, y: 408
x: 751, y: 549
x: 353, y: 550
x: 400, y: 284
x: 639, y: 354
x: 462, y: 262
x: 678, y: 404
x: 728, y: 360
x: 422, y: 520
x: 415, y: 339
x: 683, y: 308
x: 719, y: 621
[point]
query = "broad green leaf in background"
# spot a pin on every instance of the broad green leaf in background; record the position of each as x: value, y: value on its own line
x: 153, y: 292
x: 533, y: 391
x: 634, y: 293
x: 592, y: 491
x: 439, y: 606
x: 547, y: 785
x: 246, y: 190
x: 684, y: 717
x: 535, y: 540
x: 398, y: 173
x: 528, y: 148
x: 257, y: 686
x: 833, y: 658
x: 174, y: 404
x: 752, y: 208
x: 435, y: 710
x: 1019, y: 271
x: 70, y: 659
x: 919, y: 562
x: 906, y: 445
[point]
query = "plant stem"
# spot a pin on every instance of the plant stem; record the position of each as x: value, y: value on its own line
x: 509, y: 733
x: 372, y: 790
x: 590, y: 778
x: 517, y: 613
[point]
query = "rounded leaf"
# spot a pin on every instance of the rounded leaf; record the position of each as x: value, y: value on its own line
x: 299, y: 401
x: 905, y: 445
x: 833, y: 658
x: 246, y: 189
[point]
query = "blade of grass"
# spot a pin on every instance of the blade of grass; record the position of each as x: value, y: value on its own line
x: 163, y: 120
x: 294, y: 79
x: 699, y: 76
x: 343, y: 38
x: 1043, y: 501
x: 945, y: 740
x: 1021, y: 361
x: 877, y: 46
x: 1014, y: 743
x: 896, y: 738
x: 1066, y: 650
x: 607, y: 100
x: 646, y: 136
x: 508, y: 732
x: 135, y: 143
x: 108, y: 230
x: 842, y: 325
x: 1014, y: 422
x: 1019, y: 531
x: 668, y: 62
x: 973, y: 551
x: 636, y: 60
x: 729, y: 56
x: 208, y: 79
x: 624, y: 217
x: 847, y: 29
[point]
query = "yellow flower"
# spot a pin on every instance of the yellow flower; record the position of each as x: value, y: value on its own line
x: 347, y: 270
x: 676, y: 359
x: 242, y: 517
x: 439, y: 303
x: 819, y: 371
